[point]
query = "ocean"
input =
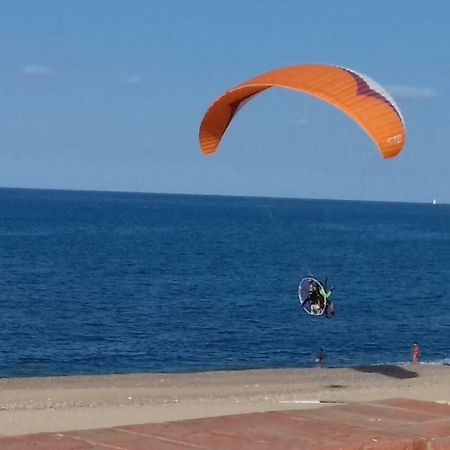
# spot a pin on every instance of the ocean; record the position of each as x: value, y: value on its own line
x: 102, y: 282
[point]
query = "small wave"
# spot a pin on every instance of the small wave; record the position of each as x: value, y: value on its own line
x: 438, y: 362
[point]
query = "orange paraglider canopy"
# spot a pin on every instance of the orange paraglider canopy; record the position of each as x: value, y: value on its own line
x: 364, y: 100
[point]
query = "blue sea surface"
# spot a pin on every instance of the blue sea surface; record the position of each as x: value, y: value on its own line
x: 97, y: 283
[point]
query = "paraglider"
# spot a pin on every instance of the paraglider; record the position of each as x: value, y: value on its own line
x: 357, y: 95
x: 360, y: 97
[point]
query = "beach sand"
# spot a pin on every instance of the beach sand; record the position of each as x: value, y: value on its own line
x: 30, y: 405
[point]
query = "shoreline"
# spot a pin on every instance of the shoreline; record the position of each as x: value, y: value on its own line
x: 405, y: 364
x: 438, y: 363
x: 39, y: 404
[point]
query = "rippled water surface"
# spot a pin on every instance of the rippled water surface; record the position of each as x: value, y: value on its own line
x: 111, y: 282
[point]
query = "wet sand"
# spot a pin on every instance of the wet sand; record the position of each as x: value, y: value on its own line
x: 31, y: 405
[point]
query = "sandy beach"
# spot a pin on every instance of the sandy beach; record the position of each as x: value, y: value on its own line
x: 30, y: 405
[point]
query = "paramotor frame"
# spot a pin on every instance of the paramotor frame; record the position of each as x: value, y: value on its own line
x: 310, y: 297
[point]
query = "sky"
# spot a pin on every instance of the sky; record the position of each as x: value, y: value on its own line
x: 109, y: 95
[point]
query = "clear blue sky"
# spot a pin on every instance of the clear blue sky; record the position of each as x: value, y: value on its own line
x: 108, y: 95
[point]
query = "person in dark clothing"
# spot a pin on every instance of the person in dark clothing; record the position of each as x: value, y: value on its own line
x: 320, y: 358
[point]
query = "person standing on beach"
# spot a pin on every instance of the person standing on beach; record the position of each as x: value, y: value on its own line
x: 415, y: 353
x: 320, y: 358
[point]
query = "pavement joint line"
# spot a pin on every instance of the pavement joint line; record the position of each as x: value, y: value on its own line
x: 361, y: 427
x: 161, y: 438
x: 316, y: 402
x: 96, y: 443
x: 406, y: 409
x: 375, y: 404
x: 442, y: 419
x: 234, y: 437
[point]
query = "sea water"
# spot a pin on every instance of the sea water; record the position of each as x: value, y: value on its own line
x: 97, y: 283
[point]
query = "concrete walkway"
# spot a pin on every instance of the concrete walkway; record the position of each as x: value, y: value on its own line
x: 398, y: 424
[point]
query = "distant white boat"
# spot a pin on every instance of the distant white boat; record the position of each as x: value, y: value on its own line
x: 434, y: 201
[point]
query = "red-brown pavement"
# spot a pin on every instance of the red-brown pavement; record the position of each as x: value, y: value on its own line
x: 397, y: 424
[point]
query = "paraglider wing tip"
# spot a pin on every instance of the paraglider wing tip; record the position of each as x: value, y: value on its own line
x: 208, y: 142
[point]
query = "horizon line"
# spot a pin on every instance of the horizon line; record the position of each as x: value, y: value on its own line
x: 191, y: 194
